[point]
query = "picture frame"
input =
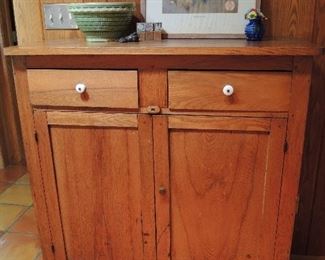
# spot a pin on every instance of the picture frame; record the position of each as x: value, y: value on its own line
x: 199, y: 18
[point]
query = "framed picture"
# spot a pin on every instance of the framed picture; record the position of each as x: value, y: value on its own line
x: 199, y: 18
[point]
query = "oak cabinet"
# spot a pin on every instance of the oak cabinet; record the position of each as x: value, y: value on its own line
x: 174, y: 150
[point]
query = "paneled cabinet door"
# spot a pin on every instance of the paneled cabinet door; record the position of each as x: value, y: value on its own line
x: 98, y: 162
x: 217, y: 186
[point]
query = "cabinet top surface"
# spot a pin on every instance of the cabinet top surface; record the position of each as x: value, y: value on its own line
x: 169, y: 47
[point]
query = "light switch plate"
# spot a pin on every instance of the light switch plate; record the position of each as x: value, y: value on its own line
x: 57, y: 17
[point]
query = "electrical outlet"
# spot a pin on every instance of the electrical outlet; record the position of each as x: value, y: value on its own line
x: 58, y: 17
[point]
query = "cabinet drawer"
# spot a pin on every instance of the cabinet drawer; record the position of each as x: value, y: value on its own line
x: 110, y: 89
x: 252, y: 91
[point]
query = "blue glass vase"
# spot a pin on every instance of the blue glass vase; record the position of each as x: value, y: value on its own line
x: 254, y: 30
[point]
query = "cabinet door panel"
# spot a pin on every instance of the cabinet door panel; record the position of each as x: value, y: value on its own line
x: 99, y: 184
x: 98, y: 179
x: 224, y: 184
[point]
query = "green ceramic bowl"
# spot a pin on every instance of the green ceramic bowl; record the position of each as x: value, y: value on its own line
x: 103, y: 21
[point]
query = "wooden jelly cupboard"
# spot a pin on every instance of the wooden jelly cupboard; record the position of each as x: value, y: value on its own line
x: 173, y: 150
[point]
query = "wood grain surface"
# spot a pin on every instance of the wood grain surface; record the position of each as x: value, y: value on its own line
x: 99, y: 186
x: 262, y: 63
x: 253, y: 91
x: 293, y: 161
x: 110, y: 89
x: 153, y: 87
x: 222, y: 199
x: 169, y: 47
x: 10, y: 134
x: 49, y: 181
x: 162, y: 186
x: 309, y: 237
x: 316, y: 242
x: 92, y: 119
x: 219, y: 123
x: 28, y: 14
x: 32, y: 158
x: 255, y: 133
x: 289, y: 19
x: 148, y: 186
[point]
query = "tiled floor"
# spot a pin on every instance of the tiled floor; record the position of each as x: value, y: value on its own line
x: 18, y: 232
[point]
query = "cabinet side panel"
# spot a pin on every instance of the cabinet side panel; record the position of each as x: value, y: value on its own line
x: 317, y: 134
x: 31, y: 153
x: 292, y: 166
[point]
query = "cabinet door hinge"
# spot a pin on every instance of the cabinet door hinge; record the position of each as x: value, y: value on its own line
x: 36, y: 137
x: 285, y: 146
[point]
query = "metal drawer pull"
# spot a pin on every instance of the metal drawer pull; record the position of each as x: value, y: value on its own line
x: 228, y: 90
x: 81, y: 88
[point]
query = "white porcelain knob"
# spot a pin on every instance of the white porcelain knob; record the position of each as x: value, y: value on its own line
x: 228, y: 90
x: 81, y: 88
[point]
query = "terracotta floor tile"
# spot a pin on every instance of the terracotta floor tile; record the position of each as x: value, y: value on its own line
x: 4, y: 186
x: 12, y: 174
x: 9, y: 214
x: 26, y: 223
x: 17, y: 194
x: 19, y: 247
x: 23, y: 180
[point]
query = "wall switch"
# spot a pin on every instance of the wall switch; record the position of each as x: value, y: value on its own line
x: 57, y: 17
